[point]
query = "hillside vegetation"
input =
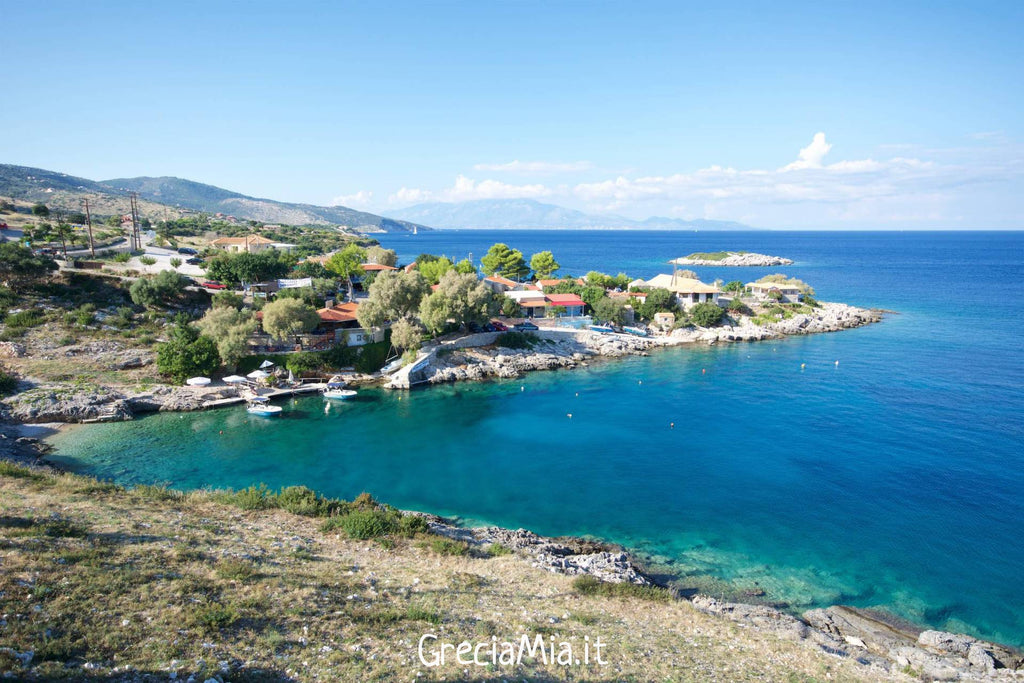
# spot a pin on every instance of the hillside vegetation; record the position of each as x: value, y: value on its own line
x: 102, y: 582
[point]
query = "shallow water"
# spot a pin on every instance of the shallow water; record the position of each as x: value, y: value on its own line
x: 892, y: 479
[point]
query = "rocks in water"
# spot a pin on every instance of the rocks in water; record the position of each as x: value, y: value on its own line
x: 736, y: 258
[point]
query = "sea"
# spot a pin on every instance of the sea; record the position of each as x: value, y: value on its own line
x: 880, y: 467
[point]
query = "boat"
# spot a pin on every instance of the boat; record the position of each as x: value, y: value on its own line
x: 337, y: 391
x: 260, y: 405
x: 601, y: 328
x: 636, y: 331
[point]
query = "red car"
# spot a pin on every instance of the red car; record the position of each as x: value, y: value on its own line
x: 213, y: 285
x: 499, y: 326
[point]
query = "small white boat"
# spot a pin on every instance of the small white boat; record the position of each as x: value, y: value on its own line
x: 337, y: 391
x: 259, y: 405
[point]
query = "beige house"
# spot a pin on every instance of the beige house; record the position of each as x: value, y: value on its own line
x: 763, y: 291
x: 249, y: 244
x: 689, y: 292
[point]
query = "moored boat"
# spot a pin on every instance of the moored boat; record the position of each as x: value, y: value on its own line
x: 260, y: 405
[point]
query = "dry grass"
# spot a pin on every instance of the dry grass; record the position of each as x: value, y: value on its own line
x: 104, y: 582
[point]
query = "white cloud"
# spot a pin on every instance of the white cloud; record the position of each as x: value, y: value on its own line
x: 466, y: 189
x: 362, y: 198
x: 536, y: 167
x: 811, y: 155
x: 409, y: 195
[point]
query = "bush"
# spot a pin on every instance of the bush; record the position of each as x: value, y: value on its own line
x: 447, y: 546
x: 811, y: 301
x: 82, y: 316
x: 8, y: 383
x: 147, y: 260
x: 738, y: 306
x: 213, y: 617
x: 24, y: 319
x: 301, y: 500
x: 589, y: 585
x: 706, y: 314
x: 121, y: 257
x: 516, y: 340
x: 364, y: 524
x: 372, y: 357
x: 158, y: 290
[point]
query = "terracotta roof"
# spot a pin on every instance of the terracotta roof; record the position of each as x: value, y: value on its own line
x: 533, y: 304
x: 565, y: 300
x: 501, y: 280
x: 411, y: 267
x: 548, y: 283
x: 340, y: 313
x: 531, y: 288
x: 374, y: 267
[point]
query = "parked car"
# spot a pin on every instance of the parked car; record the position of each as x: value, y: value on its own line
x: 187, y: 250
x: 499, y: 326
x: 525, y: 327
x: 213, y: 285
x: 3, y: 226
x: 194, y: 261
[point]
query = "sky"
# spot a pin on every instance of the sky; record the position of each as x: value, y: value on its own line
x: 804, y: 115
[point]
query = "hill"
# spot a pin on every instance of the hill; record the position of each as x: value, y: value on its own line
x: 195, y: 196
x: 527, y: 213
x: 162, y: 198
x: 145, y: 584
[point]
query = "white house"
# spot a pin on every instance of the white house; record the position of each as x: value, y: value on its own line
x: 689, y: 292
x: 763, y: 291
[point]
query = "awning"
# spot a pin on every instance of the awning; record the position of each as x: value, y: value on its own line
x: 197, y: 381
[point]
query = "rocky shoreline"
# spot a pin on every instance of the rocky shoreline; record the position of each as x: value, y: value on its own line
x: 874, y: 639
x: 476, y: 357
x: 736, y: 258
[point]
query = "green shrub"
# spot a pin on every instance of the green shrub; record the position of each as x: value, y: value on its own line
x: 447, y: 546
x: 147, y: 260
x: 235, y: 570
x: 415, y: 613
x: 252, y: 498
x: 24, y: 319
x: 121, y: 257
x: 372, y: 357
x: 811, y: 301
x: 364, y: 524
x: 589, y: 585
x: 498, y: 550
x: 516, y: 340
x: 8, y: 383
x: 706, y: 314
x: 82, y: 316
x: 213, y: 617
x: 301, y: 500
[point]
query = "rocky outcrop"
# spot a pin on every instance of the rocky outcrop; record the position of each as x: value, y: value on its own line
x: 830, y: 317
x: 90, y: 403
x: 736, y: 258
x: 572, y: 556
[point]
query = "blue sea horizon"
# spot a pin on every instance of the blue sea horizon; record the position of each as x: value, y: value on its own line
x: 891, y: 480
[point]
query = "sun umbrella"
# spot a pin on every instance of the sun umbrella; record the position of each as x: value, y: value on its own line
x: 198, y: 381
x: 235, y: 379
x: 258, y: 374
x: 266, y: 364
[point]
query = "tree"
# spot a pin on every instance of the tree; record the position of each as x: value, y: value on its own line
x: 76, y: 217
x: 706, y: 314
x: 544, y: 265
x: 433, y: 270
x: 187, y: 353
x: 175, y: 263
x: 406, y: 334
x: 609, y: 310
x: 40, y: 209
x: 505, y: 261
x: 347, y: 264
x: 460, y: 299
x: 230, y: 328
x: 733, y: 286
x: 381, y: 256
x: 64, y: 232
x: 465, y: 266
x: 18, y: 265
x: 287, y: 317
x: 656, y: 301
x: 159, y: 290
x: 393, y: 295
x: 270, y: 264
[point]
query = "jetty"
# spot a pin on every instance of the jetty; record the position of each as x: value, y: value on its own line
x: 268, y: 394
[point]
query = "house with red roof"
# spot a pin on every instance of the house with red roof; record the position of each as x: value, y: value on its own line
x: 572, y: 303
x: 501, y: 285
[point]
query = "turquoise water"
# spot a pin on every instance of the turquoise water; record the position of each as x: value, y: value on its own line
x: 892, y: 480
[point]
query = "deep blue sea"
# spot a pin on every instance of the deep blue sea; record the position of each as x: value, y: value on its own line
x: 894, y: 479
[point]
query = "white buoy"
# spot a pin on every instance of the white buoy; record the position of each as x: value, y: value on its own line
x: 569, y: 415
x: 837, y: 364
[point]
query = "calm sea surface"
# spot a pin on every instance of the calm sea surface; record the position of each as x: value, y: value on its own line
x: 894, y: 479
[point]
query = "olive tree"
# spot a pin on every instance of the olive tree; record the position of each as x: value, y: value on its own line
x: 230, y: 328
x: 287, y: 317
x: 393, y: 295
x: 460, y: 299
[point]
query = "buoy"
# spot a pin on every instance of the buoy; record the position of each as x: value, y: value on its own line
x: 569, y: 415
x: 578, y: 393
x: 703, y: 371
x: 640, y: 381
x: 522, y: 388
x: 837, y: 364
x: 672, y: 425
x: 222, y: 431
x: 803, y: 365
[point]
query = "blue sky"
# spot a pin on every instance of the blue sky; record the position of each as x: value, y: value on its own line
x: 806, y: 115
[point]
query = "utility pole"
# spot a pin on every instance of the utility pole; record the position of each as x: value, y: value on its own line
x: 88, y: 223
x: 136, y: 237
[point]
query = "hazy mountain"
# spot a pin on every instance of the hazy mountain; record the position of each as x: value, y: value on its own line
x: 527, y: 213
x: 159, y: 195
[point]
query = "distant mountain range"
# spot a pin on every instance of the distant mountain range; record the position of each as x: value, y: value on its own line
x: 35, y: 184
x: 527, y: 213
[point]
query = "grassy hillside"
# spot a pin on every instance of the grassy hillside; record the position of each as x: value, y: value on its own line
x: 106, y: 583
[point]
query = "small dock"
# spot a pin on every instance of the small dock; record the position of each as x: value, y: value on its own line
x: 269, y: 394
